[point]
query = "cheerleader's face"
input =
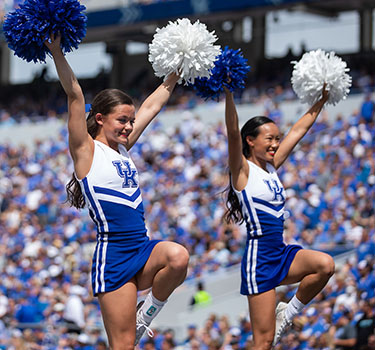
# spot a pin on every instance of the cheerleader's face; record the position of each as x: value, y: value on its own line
x: 117, y: 125
x: 264, y: 146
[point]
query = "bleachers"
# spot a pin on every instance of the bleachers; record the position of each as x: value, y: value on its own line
x: 65, y: 237
x: 209, y: 113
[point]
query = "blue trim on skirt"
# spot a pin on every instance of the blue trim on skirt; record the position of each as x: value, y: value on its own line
x: 117, y: 259
x: 265, y: 263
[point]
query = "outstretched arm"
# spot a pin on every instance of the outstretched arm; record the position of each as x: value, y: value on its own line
x: 298, y: 130
x: 151, y: 107
x: 79, y: 139
x: 238, y: 165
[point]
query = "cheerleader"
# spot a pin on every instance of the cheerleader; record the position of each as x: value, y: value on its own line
x: 257, y: 197
x: 106, y: 180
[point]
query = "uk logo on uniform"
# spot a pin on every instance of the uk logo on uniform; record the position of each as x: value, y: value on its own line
x: 126, y: 172
x: 275, y: 189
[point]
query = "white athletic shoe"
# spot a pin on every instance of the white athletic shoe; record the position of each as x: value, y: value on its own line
x: 282, y: 324
x: 141, y: 325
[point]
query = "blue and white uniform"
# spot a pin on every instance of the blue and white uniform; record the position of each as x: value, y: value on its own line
x: 112, y: 194
x: 266, y: 259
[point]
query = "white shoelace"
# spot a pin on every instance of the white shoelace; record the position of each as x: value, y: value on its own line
x: 149, y: 331
x: 284, y: 325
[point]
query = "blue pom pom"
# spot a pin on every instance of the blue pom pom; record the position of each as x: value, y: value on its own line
x: 230, y: 71
x: 29, y: 26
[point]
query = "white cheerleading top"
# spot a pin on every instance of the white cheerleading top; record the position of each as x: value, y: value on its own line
x: 262, y: 201
x: 112, y: 193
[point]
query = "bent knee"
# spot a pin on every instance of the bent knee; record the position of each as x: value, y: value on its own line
x: 178, y: 257
x: 326, y: 265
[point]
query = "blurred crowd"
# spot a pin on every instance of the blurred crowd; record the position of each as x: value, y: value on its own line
x: 44, y: 98
x: 46, y: 246
x: 324, y: 325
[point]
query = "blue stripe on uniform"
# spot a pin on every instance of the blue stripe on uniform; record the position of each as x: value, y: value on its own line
x: 269, y: 223
x: 92, y: 202
x: 246, y: 200
x: 268, y: 204
x: 119, y: 216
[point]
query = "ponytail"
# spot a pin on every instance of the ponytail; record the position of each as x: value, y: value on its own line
x: 74, y: 193
x: 233, y: 213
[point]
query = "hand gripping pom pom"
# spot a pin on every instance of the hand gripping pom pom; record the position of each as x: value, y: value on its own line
x: 230, y: 71
x: 29, y: 26
x: 316, y: 68
x: 183, y: 48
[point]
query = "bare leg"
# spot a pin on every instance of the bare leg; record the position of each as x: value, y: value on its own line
x: 165, y: 269
x: 262, y: 316
x: 313, y: 269
x: 118, y: 312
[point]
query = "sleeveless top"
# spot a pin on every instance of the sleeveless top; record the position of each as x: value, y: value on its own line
x: 262, y: 202
x: 112, y: 193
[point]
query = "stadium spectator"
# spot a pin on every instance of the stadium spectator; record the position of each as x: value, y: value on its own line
x: 27, y: 312
x: 102, y: 345
x: 74, y: 313
x: 191, y: 336
x: 168, y: 342
x: 149, y: 345
x: 345, y: 335
x: 83, y: 342
x: 365, y: 325
x: 346, y: 299
x: 201, y: 296
x: 368, y: 109
x: 370, y: 343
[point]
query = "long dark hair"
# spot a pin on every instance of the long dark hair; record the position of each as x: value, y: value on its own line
x: 103, y: 103
x: 251, y: 128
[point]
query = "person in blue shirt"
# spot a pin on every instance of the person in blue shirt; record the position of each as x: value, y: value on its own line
x: 366, y: 248
x: 366, y: 279
x: 368, y: 109
x: 27, y: 312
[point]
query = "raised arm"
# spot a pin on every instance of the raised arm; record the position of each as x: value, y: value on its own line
x: 151, y: 107
x: 298, y: 130
x: 238, y: 166
x: 81, y: 145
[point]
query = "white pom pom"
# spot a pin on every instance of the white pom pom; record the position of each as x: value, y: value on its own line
x: 316, y: 68
x: 183, y: 48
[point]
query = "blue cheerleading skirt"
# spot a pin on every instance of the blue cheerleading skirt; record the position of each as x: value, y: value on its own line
x: 265, y: 263
x: 117, y: 259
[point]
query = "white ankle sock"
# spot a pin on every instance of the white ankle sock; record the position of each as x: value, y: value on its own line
x: 294, y: 308
x: 151, y: 307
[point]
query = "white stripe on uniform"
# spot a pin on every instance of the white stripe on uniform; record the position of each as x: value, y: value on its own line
x: 105, y: 244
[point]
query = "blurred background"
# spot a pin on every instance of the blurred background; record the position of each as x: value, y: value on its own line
x: 46, y: 246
